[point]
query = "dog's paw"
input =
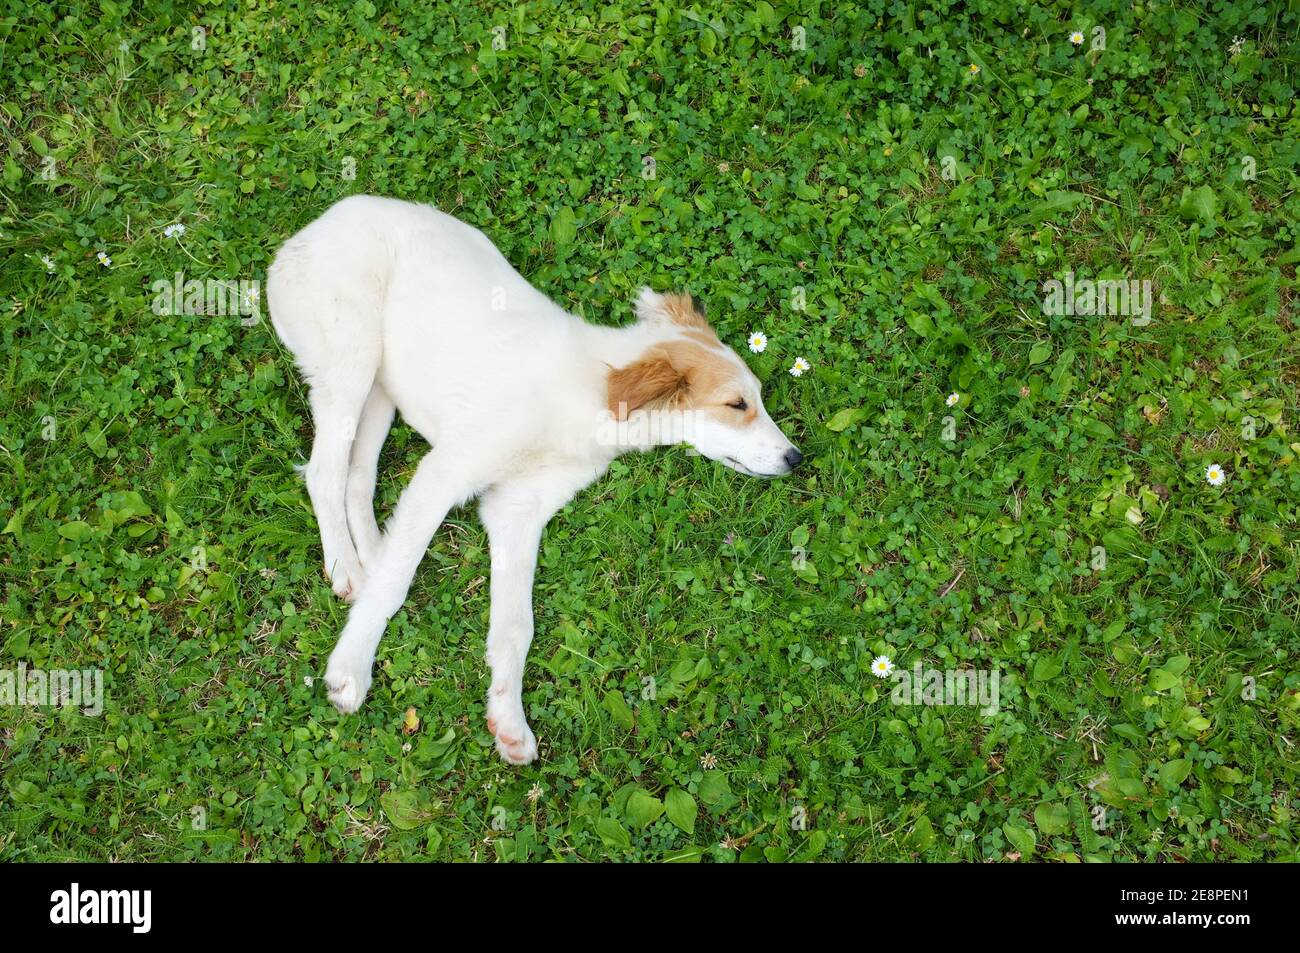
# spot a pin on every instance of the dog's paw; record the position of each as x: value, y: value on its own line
x: 347, y: 681
x: 515, y: 741
x: 346, y: 579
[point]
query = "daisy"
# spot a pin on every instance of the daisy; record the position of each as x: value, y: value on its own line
x: 1076, y: 38
x: 881, y: 666
x: 1214, y: 475
x: 174, y: 231
x: 951, y: 399
x: 758, y: 342
x: 48, y: 262
x: 974, y: 69
x: 104, y: 260
x: 800, y: 365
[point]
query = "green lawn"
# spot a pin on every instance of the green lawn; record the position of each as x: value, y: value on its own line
x: 884, y: 193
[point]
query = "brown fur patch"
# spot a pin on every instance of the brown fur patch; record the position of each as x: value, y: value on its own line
x: 673, y: 373
x: 682, y: 312
x: 650, y: 380
x: 680, y: 309
x: 705, y: 337
x: 708, y: 374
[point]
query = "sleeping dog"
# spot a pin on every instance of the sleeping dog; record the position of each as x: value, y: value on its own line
x: 392, y: 305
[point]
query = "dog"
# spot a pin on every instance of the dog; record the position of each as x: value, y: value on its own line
x: 387, y: 305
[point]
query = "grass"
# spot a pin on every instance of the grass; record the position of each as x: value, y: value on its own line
x: 700, y: 679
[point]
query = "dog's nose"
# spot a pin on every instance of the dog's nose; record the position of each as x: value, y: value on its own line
x: 793, y: 458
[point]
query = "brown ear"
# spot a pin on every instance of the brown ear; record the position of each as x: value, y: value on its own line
x: 679, y: 311
x: 651, y: 380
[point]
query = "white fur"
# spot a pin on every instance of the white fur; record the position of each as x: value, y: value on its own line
x: 391, y: 304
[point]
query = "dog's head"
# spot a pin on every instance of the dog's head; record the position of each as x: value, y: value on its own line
x: 693, y: 376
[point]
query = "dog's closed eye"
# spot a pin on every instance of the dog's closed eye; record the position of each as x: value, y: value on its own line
x: 739, y: 404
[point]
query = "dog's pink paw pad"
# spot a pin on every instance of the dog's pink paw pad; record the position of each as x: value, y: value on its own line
x: 517, y: 748
x: 346, y: 582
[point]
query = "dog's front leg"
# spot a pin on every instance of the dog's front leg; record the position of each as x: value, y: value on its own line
x: 424, y: 503
x: 514, y: 514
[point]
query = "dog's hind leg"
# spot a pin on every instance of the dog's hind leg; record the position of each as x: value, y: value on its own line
x: 326, y: 308
x: 376, y: 418
x: 438, y: 485
x: 336, y: 409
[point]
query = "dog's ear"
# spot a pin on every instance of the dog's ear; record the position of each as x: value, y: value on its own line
x: 678, y: 309
x: 649, y: 306
x: 650, y: 380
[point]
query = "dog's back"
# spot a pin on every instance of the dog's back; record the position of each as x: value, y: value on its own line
x: 380, y: 291
x: 329, y: 282
x: 375, y: 274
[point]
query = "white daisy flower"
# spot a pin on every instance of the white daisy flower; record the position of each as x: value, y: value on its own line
x: 1076, y: 38
x: 951, y: 399
x: 974, y: 69
x: 881, y: 666
x: 174, y: 231
x: 48, y: 262
x: 1214, y: 475
x: 800, y: 365
x: 104, y: 260
x: 758, y: 342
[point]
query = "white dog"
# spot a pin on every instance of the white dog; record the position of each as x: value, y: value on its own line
x: 388, y: 304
